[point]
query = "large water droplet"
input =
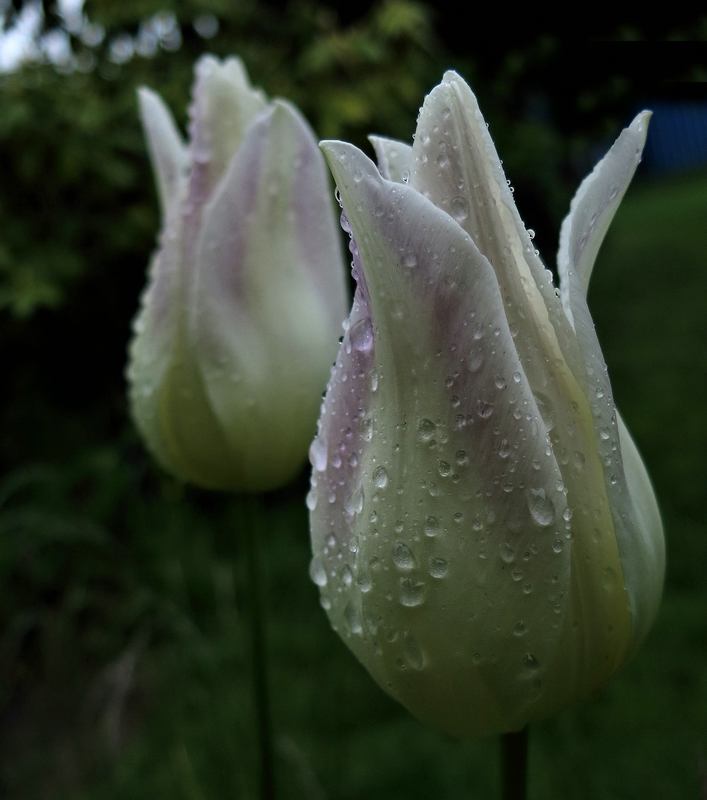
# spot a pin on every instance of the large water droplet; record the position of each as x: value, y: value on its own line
x: 362, y: 335
x: 438, y: 567
x: 431, y: 526
x: 460, y: 208
x: 367, y: 429
x: 353, y: 619
x: 353, y: 503
x: 380, y: 477
x: 507, y: 553
x: 427, y: 429
x: 403, y: 557
x: 530, y: 662
x: 542, y: 509
x: 412, y: 593
x: 317, y: 572
x: 413, y: 652
x: 318, y: 454
x: 547, y: 412
x: 311, y: 499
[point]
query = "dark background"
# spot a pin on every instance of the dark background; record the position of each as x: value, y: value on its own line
x: 123, y: 595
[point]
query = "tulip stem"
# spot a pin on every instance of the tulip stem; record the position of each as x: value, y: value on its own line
x: 258, y: 650
x: 515, y: 765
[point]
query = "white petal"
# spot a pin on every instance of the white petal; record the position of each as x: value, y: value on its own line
x: 268, y: 296
x: 633, y: 505
x: 449, y: 385
x: 167, y: 150
x: 394, y: 158
x: 593, y: 207
x: 224, y: 105
x: 640, y: 537
x: 456, y: 165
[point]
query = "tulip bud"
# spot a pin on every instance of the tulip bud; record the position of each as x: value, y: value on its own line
x: 239, y: 323
x: 485, y: 535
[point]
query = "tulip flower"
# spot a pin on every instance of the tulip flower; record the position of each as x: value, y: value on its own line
x: 486, y: 539
x: 239, y: 323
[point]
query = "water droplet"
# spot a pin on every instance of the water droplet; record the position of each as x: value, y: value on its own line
x: 427, y: 429
x: 547, y: 412
x: 461, y: 458
x: 507, y: 553
x: 380, y: 477
x: 517, y: 376
x: 352, y: 619
x: 403, y: 557
x: 530, y: 662
x: 605, y: 434
x: 484, y: 409
x: 442, y: 160
x: 311, y: 499
x: 365, y: 584
x: 318, y: 454
x: 541, y: 508
x: 608, y: 579
x: 362, y: 335
x: 519, y: 628
x: 558, y: 545
x: 409, y: 260
x: 412, y: 593
x: 500, y: 382
x: 476, y: 359
x: 353, y: 504
x: 317, y: 572
x: 460, y: 208
x: 367, y: 428
x: 516, y: 575
x: 438, y: 567
x: 431, y: 526
x: 347, y: 575
x: 458, y: 517
x: 444, y: 468
x: 413, y: 652
x: 325, y: 602
x: 504, y: 448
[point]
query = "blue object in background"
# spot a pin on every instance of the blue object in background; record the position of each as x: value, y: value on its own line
x: 677, y: 136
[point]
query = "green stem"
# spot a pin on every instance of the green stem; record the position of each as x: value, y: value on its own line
x: 515, y: 765
x: 258, y: 651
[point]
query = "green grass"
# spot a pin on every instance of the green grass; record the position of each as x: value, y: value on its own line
x: 124, y: 600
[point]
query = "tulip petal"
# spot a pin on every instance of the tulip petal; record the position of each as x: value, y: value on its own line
x: 634, y: 509
x: 455, y: 165
x: 394, y: 158
x: 224, y: 105
x: 593, y: 207
x: 448, y: 380
x: 640, y: 538
x: 264, y: 293
x: 168, y: 152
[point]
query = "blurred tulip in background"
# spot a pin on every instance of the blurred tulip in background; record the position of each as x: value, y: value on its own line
x: 239, y: 323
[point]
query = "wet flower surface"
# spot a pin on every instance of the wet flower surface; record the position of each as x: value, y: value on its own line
x: 239, y: 323
x: 485, y: 536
